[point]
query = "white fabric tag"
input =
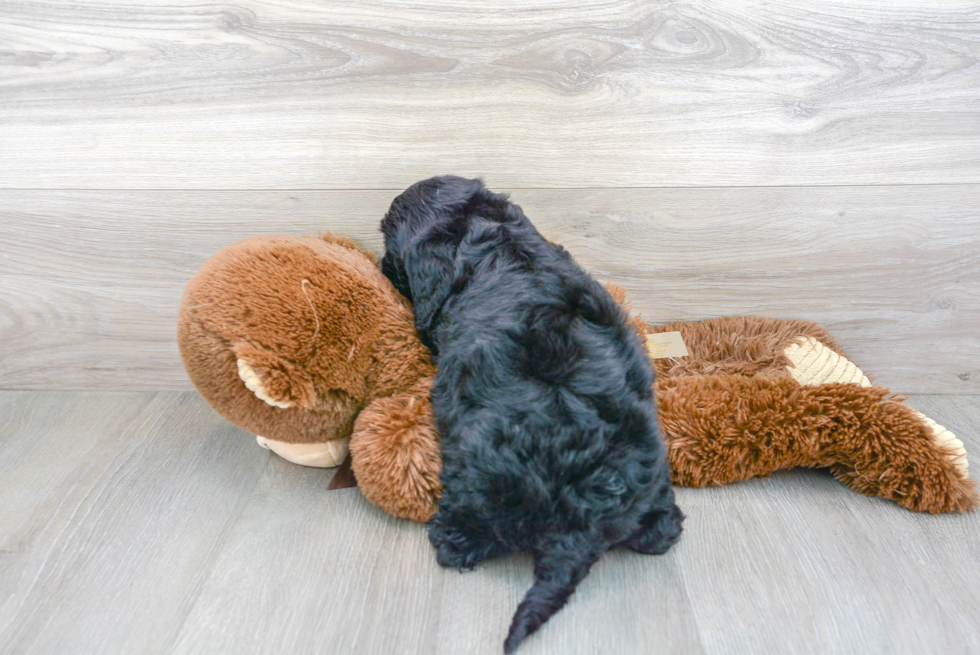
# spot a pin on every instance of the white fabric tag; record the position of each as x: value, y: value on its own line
x: 661, y: 345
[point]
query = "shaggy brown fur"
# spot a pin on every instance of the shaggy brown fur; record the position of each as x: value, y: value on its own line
x: 732, y: 411
x: 324, y: 330
x: 738, y: 345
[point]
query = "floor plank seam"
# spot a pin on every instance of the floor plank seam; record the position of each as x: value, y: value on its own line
x: 218, y: 549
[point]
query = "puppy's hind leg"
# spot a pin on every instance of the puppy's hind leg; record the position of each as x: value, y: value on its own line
x: 459, y: 548
x: 658, y: 532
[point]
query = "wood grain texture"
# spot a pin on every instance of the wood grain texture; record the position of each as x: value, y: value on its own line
x: 825, y: 159
x: 44, y: 440
x: 799, y: 563
x: 90, y: 281
x: 627, y: 604
x: 154, y: 527
x: 307, y: 572
x: 312, y: 571
x: 113, y: 509
x: 362, y: 94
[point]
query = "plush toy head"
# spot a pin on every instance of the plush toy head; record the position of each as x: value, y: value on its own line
x: 304, y: 343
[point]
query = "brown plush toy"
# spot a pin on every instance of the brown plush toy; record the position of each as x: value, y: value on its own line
x: 757, y: 395
x: 304, y: 342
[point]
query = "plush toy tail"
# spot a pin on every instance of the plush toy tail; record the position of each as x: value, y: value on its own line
x: 560, y: 564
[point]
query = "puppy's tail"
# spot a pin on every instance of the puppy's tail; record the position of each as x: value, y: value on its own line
x: 560, y: 564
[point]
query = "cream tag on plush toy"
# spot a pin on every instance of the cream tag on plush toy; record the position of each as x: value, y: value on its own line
x: 661, y: 345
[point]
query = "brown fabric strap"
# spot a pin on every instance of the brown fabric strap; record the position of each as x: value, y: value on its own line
x: 344, y: 477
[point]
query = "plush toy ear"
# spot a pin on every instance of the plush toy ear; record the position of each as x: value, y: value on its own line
x: 272, y: 379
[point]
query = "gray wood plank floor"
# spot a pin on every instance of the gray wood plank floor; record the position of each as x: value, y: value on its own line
x: 143, y: 523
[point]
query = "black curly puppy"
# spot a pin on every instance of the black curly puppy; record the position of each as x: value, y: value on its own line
x: 542, y: 396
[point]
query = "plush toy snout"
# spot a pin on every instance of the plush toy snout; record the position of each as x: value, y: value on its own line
x: 319, y: 455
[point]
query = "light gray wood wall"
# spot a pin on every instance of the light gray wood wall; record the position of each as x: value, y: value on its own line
x: 715, y: 158
x: 547, y: 93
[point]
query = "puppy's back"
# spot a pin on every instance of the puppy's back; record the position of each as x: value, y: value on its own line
x: 543, y: 399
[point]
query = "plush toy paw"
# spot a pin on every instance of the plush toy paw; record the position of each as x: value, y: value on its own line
x: 947, y: 441
x: 899, y: 458
x: 395, y: 455
x: 811, y: 362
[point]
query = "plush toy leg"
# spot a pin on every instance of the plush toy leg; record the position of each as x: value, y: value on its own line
x: 395, y: 456
x: 812, y: 363
x: 758, y: 395
x: 720, y: 429
x: 724, y: 428
x: 899, y: 455
x: 904, y: 455
x: 321, y: 455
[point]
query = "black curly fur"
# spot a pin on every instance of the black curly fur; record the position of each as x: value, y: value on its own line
x: 542, y: 398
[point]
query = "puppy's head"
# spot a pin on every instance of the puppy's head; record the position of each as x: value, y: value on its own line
x: 422, y: 229
x: 425, y: 207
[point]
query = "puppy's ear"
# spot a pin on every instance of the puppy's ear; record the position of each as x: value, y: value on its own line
x: 431, y: 271
x: 394, y: 270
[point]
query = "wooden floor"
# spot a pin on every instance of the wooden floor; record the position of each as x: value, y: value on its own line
x: 143, y: 523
